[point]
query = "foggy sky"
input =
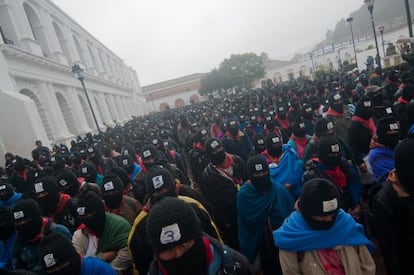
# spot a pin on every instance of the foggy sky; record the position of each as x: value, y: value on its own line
x: 165, y: 39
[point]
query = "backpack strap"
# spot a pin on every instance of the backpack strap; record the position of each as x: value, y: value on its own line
x: 227, y: 264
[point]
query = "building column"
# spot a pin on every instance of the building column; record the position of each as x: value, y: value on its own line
x: 23, y: 31
x: 107, y: 116
x: 95, y: 108
x: 55, y: 50
x: 54, y: 114
x: 88, y: 58
x: 115, y: 110
x: 71, y: 44
x: 78, y: 112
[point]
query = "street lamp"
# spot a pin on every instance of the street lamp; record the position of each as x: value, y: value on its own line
x: 349, y: 20
x: 370, y: 4
x: 381, y: 30
x: 78, y: 72
x: 410, y: 26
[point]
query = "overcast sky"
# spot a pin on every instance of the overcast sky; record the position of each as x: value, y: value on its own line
x: 165, y: 39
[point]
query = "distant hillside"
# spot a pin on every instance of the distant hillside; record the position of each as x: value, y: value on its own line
x: 388, y: 13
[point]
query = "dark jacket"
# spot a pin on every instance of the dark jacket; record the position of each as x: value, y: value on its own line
x: 359, y: 139
x: 225, y: 261
x: 66, y: 213
x: 395, y: 229
x: 241, y: 146
x: 198, y: 161
x: 220, y: 192
x: 24, y: 186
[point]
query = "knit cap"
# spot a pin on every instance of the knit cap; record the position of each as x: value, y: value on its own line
x: 171, y: 222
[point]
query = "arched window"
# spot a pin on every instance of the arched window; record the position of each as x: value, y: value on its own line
x: 37, y: 29
x: 92, y: 57
x: 67, y: 113
x: 87, y: 112
x: 80, y: 51
x: 62, y: 42
x: 41, y: 110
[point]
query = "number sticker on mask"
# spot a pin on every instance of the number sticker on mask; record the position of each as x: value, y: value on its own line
x: 170, y: 234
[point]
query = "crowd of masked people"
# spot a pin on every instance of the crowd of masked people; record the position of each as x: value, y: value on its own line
x: 314, y: 177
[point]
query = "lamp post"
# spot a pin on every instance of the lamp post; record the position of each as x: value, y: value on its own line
x: 370, y: 4
x: 349, y: 20
x: 381, y: 30
x: 78, y: 72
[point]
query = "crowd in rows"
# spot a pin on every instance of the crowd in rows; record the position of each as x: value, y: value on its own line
x: 294, y: 178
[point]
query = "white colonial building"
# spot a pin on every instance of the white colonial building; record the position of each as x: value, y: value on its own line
x: 174, y: 93
x: 39, y: 96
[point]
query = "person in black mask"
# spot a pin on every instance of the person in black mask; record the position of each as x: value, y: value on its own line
x: 95, y: 157
x: 236, y: 141
x: 258, y: 144
x: 116, y: 202
x: 7, y: 238
x: 381, y: 154
x: 360, y: 132
x: 132, y: 168
x: 31, y: 227
x: 89, y: 172
x: 77, y: 161
x: 59, y: 207
x: 161, y: 184
x: 320, y: 232
x: 298, y: 140
x: 380, y: 107
x: 273, y: 148
x: 149, y: 155
x: 336, y: 113
x: 310, y: 206
x: 174, y: 233
x: 198, y: 157
x: 332, y: 166
x: 8, y: 196
x: 282, y: 120
x: 59, y: 257
x: 111, y: 231
x: 308, y: 118
x: 23, y: 176
x: 219, y: 186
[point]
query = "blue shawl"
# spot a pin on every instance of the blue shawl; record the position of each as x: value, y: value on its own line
x: 289, y: 170
x: 12, y: 201
x: 135, y: 172
x: 381, y: 161
x: 296, y: 235
x: 252, y: 211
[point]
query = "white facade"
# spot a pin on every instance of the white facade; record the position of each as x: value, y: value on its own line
x: 343, y: 51
x: 39, y: 96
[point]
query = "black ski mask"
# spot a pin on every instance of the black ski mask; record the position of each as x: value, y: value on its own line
x: 274, y: 145
x: 27, y: 219
x: 194, y: 259
x: 299, y: 129
x: 160, y: 183
x: 112, y: 191
x: 388, y: 132
x: 258, y: 171
x: 91, y: 212
x: 215, y: 151
x: 329, y: 151
x: 47, y: 194
x: 319, y: 198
